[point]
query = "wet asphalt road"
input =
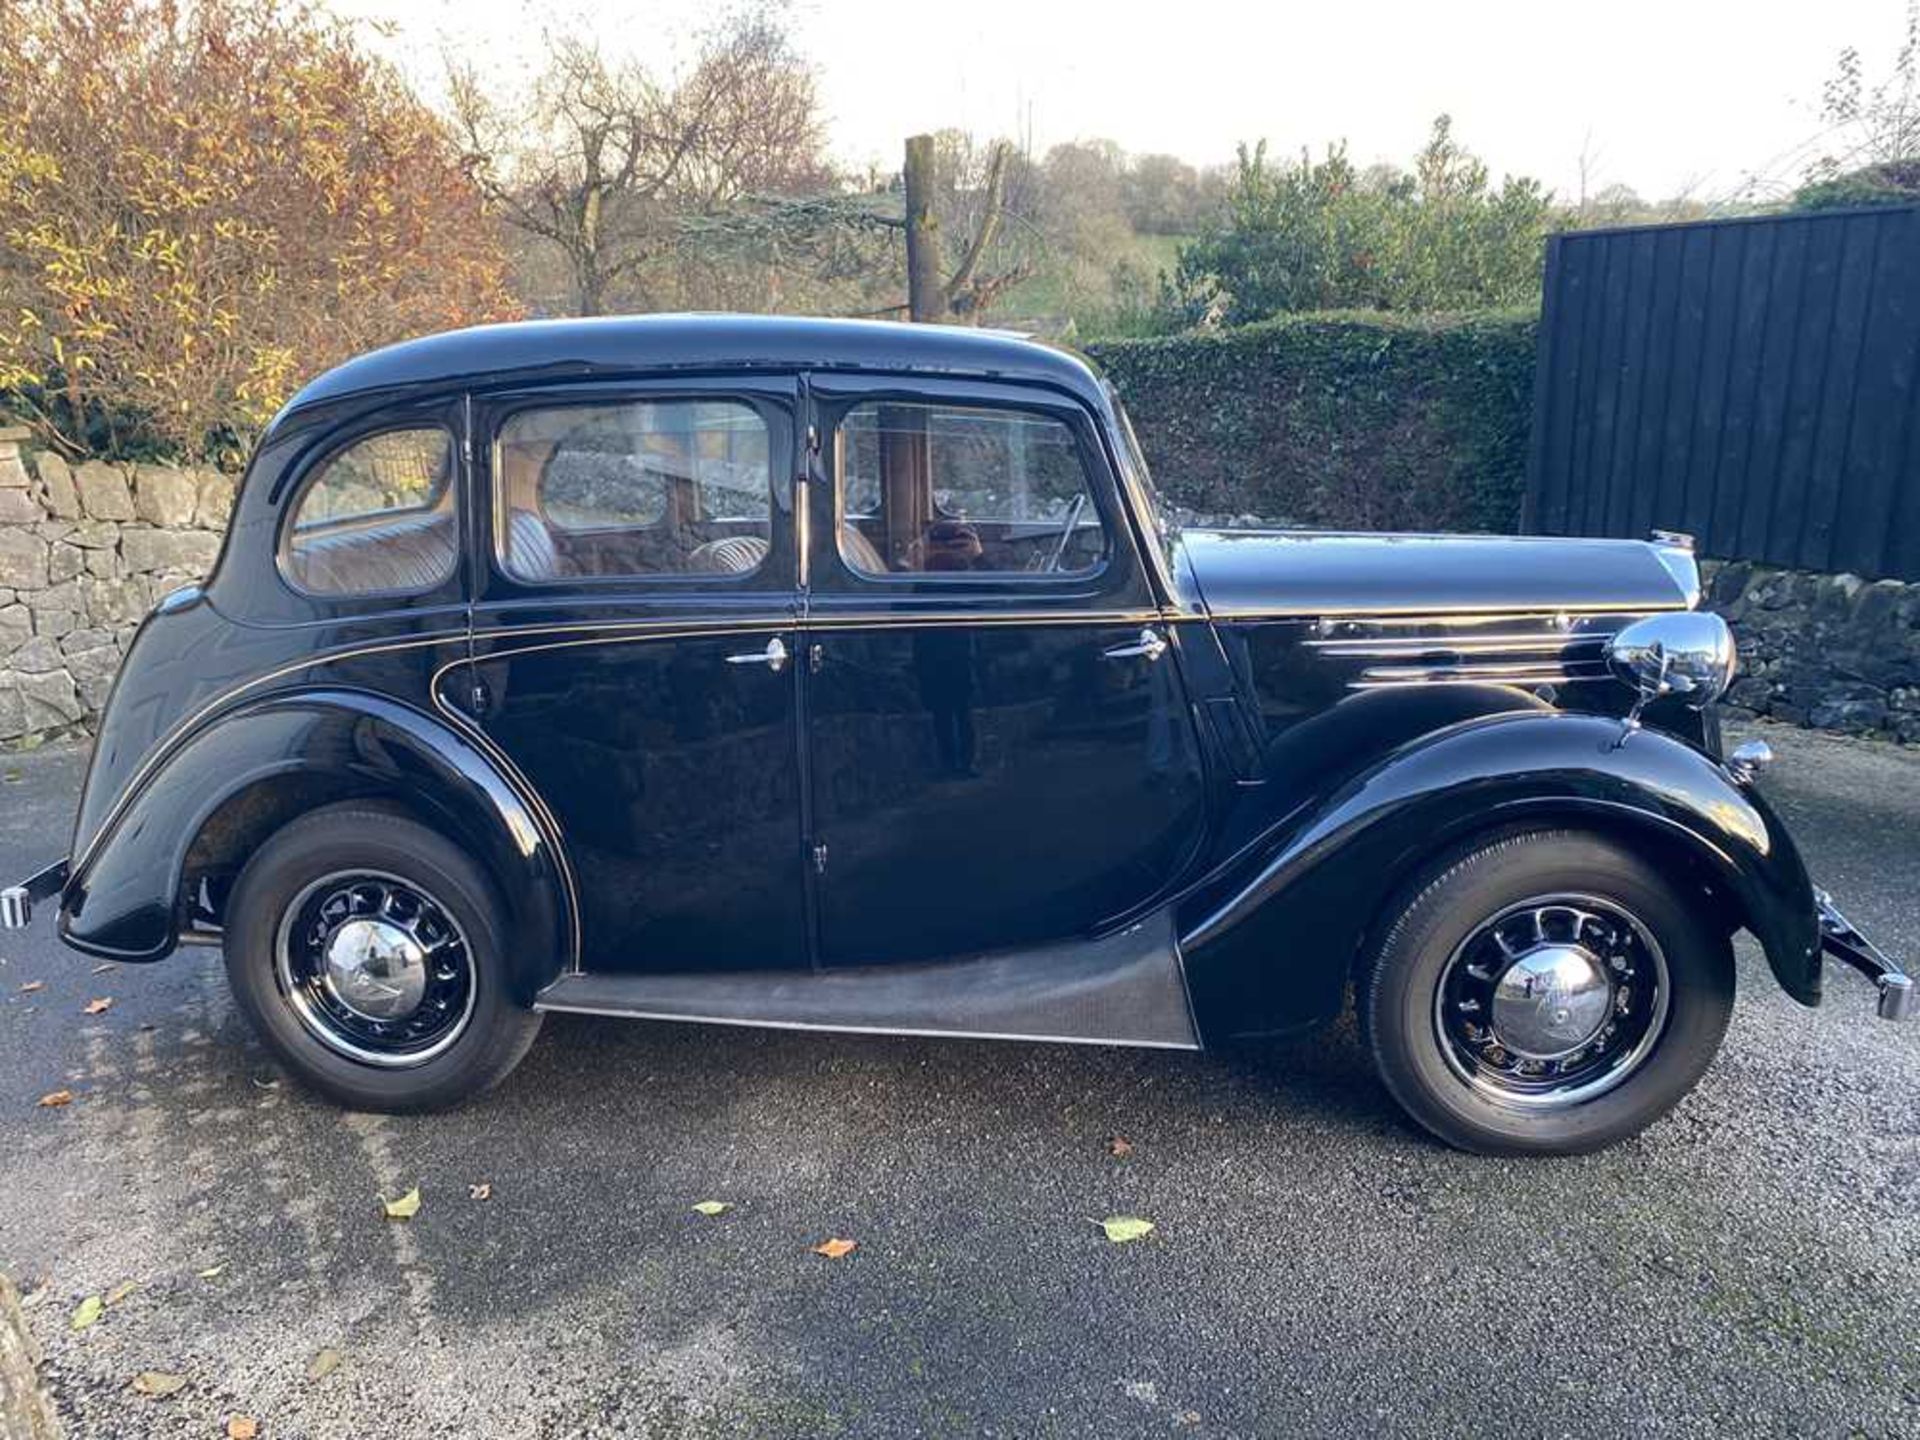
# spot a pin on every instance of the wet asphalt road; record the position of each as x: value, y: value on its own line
x: 1750, y: 1266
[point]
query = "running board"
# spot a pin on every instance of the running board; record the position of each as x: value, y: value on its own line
x: 1123, y: 989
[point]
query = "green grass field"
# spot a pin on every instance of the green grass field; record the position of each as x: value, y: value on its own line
x: 1051, y: 295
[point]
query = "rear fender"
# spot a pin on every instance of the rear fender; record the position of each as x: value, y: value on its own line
x: 1270, y: 940
x: 125, y: 900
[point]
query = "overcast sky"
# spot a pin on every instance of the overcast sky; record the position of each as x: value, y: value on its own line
x: 1663, y: 95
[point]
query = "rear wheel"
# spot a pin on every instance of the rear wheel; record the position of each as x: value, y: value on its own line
x: 364, y: 947
x: 1548, y: 992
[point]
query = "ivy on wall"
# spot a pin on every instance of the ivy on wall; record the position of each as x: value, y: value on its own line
x: 1342, y: 420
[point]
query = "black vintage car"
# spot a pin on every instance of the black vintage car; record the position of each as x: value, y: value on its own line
x: 852, y: 676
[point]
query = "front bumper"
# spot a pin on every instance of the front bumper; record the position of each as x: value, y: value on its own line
x: 17, y: 901
x: 1839, y: 939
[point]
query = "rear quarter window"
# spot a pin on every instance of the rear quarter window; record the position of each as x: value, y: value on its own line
x: 376, y: 518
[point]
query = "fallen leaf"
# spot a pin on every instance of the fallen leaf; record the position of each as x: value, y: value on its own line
x: 97, y: 1007
x: 158, y: 1384
x: 713, y: 1207
x: 405, y: 1208
x: 323, y: 1364
x: 122, y: 1291
x: 86, y: 1312
x: 1119, y: 1147
x: 242, y: 1427
x: 33, y: 985
x: 1122, y: 1228
x: 54, y: 1099
x: 102, y: 969
x: 214, y: 1272
x: 482, y: 1191
x: 835, y: 1249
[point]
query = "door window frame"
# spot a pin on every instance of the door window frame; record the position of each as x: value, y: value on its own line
x: 440, y: 412
x: 776, y: 398
x: 1118, y: 581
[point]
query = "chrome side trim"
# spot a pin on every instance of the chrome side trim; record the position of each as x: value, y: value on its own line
x: 787, y: 619
x: 564, y: 1009
x: 1468, y: 672
x: 1125, y: 986
x: 1397, y: 646
x: 1519, y: 649
x: 1413, y: 614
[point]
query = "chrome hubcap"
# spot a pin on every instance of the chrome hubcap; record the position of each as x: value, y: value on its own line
x: 1552, y: 1002
x: 375, y: 968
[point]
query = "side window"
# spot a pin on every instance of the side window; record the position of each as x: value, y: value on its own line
x: 655, y: 487
x: 376, y: 518
x: 929, y: 489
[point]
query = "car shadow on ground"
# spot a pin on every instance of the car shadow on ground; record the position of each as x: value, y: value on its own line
x: 1323, y: 1074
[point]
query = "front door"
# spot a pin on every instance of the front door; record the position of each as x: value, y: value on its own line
x: 641, y: 597
x: 1000, y: 751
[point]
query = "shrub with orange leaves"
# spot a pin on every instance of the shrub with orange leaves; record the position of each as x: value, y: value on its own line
x: 203, y: 204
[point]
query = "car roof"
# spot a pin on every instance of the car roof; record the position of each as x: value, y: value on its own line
x: 629, y: 344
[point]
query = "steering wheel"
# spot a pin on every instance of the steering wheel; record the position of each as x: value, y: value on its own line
x: 1066, y: 534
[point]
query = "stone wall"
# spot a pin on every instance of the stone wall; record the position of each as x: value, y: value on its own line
x: 85, y: 551
x: 1831, y: 651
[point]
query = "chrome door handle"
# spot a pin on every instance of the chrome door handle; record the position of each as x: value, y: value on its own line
x: 774, y: 657
x: 1151, y: 644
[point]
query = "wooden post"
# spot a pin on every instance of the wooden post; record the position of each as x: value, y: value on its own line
x: 926, y: 295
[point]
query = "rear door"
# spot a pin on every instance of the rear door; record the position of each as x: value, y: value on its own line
x: 1000, y: 752
x: 640, y: 599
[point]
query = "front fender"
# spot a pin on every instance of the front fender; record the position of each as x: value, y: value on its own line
x: 123, y: 900
x: 1269, y: 941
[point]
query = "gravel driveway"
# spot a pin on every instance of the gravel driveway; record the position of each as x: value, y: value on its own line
x: 1750, y: 1266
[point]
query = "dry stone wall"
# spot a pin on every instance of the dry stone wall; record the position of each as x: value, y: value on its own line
x: 1833, y: 652
x: 85, y: 551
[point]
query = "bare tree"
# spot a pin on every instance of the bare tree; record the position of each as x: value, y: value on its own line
x: 604, y: 161
x: 969, y: 237
x: 1873, y: 124
x: 969, y: 290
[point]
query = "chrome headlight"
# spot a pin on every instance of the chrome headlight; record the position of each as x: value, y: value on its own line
x: 1687, y: 654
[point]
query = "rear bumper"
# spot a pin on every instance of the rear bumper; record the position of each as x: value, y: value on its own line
x: 1839, y: 939
x: 17, y: 901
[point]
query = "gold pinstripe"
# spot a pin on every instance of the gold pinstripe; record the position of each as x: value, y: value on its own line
x: 163, y: 747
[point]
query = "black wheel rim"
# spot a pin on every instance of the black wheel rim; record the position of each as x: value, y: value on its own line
x: 1552, y: 1002
x: 375, y: 968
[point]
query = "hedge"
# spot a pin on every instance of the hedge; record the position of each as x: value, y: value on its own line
x: 1343, y: 421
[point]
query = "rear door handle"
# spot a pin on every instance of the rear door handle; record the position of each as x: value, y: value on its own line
x: 774, y: 657
x: 1151, y: 645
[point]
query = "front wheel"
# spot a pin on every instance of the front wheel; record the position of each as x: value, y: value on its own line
x: 364, y: 948
x: 1547, y: 992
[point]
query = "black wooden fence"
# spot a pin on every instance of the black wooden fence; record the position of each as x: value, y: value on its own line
x: 1755, y: 383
